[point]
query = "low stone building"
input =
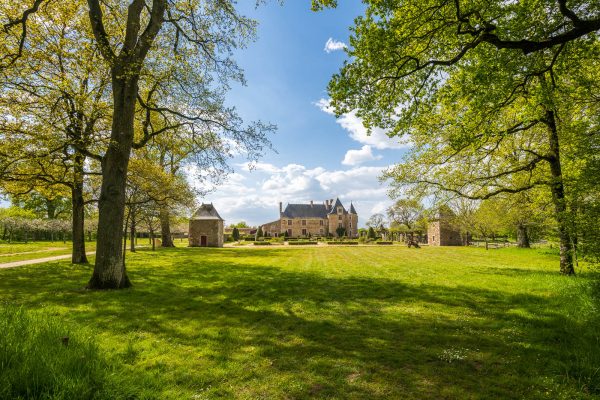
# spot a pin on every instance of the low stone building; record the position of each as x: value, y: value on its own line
x: 206, y: 227
x: 440, y: 231
x: 313, y: 219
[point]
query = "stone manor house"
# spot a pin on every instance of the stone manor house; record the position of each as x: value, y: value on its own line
x: 303, y: 220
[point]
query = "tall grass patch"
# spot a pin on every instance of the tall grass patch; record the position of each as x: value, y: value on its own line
x: 42, y: 358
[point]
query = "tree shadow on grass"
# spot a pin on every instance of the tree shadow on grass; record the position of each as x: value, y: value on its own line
x: 256, y: 330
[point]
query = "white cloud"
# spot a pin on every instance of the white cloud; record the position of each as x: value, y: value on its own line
x: 355, y: 157
x: 334, y: 45
x: 357, y: 131
x: 253, y: 194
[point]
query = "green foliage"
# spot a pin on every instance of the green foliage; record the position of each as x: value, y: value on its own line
x: 340, y: 231
x: 241, y: 224
x: 235, y: 234
x: 371, y: 233
x: 259, y: 233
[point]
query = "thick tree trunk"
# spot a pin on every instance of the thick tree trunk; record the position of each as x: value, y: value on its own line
x: 522, y: 236
x: 109, y: 269
x: 78, y: 255
x: 165, y: 228
x: 558, y: 197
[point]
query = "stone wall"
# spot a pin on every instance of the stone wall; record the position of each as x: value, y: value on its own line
x: 440, y: 233
x: 212, y: 229
x: 312, y: 225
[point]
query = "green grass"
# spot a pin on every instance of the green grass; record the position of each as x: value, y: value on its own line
x: 333, y: 323
x: 11, y: 248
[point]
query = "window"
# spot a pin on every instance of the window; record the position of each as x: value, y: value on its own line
x: 321, y: 223
x: 339, y: 210
x: 340, y: 217
x: 303, y: 222
x: 340, y: 225
x: 350, y: 225
x: 289, y: 222
x: 321, y: 231
x: 303, y: 232
x: 289, y: 232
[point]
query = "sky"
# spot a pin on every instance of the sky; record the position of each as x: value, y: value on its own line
x: 317, y: 156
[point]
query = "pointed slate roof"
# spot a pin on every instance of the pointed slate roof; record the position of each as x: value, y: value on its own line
x: 352, y: 210
x: 207, y: 211
x: 337, y: 204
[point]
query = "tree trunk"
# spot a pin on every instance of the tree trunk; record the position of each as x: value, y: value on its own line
x: 558, y: 197
x: 523, y: 236
x: 132, y: 232
x: 109, y: 269
x: 78, y: 255
x: 165, y: 228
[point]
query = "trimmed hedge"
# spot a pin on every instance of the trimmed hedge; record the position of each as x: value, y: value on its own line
x: 262, y: 243
x: 385, y: 242
x: 249, y: 239
x: 345, y: 242
x: 302, y: 243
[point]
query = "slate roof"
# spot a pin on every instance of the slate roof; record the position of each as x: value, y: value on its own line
x: 207, y: 211
x: 352, y: 210
x: 305, y: 211
x: 337, y: 204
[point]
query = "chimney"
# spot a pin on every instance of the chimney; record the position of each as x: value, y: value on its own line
x: 280, y: 208
x: 331, y: 203
x: 311, y: 203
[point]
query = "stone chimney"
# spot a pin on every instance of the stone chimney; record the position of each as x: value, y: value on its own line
x: 311, y: 203
x: 280, y: 208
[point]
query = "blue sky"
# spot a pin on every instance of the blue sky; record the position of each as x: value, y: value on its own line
x: 318, y: 157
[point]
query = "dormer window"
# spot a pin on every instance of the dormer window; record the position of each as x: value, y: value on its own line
x: 339, y: 210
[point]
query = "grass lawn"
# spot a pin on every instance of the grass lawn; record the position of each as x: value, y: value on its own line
x: 324, y: 322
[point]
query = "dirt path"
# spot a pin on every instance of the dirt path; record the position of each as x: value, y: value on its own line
x: 39, y: 260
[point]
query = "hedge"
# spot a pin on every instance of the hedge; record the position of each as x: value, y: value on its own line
x: 301, y: 243
x: 385, y: 242
x: 346, y: 242
x: 262, y: 243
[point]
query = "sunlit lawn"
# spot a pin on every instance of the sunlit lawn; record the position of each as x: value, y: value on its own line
x: 325, y: 322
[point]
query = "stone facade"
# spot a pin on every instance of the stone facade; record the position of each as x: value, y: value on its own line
x: 206, y: 228
x: 441, y: 233
x: 314, y: 220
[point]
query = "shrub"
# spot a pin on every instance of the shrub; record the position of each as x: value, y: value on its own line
x: 249, y: 239
x: 42, y: 358
x: 261, y: 243
x: 300, y: 243
x: 343, y: 242
x: 381, y: 242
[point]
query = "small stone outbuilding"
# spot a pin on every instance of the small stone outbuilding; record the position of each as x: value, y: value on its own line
x: 206, y: 227
x: 441, y: 232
